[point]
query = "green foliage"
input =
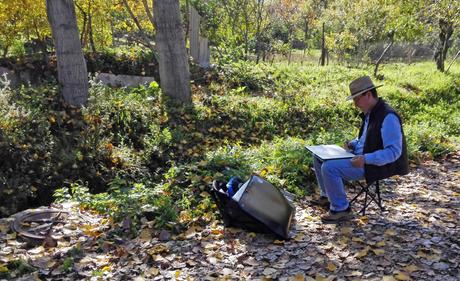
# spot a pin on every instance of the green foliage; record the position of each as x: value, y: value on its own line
x: 15, y: 268
x: 124, y: 201
x: 251, y: 119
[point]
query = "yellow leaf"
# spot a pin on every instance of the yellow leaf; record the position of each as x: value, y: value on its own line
x: 278, y: 242
x: 363, y: 219
x: 264, y: 172
x: 380, y: 244
x: 357, y: 239
x: 433, y: 257
x: 145, y: 235
x: 204, y: 194
x: 90, y: 230
x: 177, y: 273
x: 402, y: 276
x: 217, y: 231
x: 378, y: 252
x: 208, y: 179
x: 346, y: 230
x: 363, y: 252
x: 388, y: 278
x: 158, y: 249
x: 421, y: 254
x: 185, y: 216
x: 309, y: 218
x: 154, y: 271
x: 191, y: 232
x: 4, y: 227
x: 411, y: 268
x: 298, y: 277
x: 343, y: 241
x: 3, y: 268
x: 299, y: 237
x: 252, y: 235
x: 331, y: 267
x: 390, y: 232
x: 320, y: 277
x: 106, y: 268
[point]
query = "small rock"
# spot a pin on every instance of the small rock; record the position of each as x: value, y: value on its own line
x: 164, y: 235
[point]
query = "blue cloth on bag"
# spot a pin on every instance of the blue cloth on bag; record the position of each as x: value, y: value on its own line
x: 232, y: 186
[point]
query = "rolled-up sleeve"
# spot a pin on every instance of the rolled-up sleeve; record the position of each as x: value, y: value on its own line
x: 392, y: 143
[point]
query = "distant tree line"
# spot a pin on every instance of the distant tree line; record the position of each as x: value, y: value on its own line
x: 240, y: 29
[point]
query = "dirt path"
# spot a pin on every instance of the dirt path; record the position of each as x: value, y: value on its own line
x: 416, y: 238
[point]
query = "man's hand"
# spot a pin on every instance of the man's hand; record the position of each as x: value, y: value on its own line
x: 347, y: 146
x: 358, y: 161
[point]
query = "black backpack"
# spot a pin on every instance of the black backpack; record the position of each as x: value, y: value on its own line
x: 257, y: 206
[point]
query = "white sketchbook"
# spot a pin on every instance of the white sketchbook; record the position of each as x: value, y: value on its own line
x: 329, y: 151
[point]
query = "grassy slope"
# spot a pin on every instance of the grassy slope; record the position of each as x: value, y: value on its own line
x: 246, y: 119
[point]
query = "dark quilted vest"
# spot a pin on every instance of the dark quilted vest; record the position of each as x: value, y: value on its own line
x: 374, y: 142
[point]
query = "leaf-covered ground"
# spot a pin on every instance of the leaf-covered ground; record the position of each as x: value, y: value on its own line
x: 416, y: 238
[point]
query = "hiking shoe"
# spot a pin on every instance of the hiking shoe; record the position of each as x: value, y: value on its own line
x: 322, y: 201
x: 334, y: 216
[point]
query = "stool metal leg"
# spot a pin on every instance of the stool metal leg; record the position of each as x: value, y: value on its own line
x: 366, y: 189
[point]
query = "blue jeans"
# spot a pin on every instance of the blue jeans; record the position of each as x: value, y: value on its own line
x: 330, y: 175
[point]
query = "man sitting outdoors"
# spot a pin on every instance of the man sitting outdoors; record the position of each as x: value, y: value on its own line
x: 380, y: 150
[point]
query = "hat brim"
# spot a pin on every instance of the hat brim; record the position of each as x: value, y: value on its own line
x: 362, y: 91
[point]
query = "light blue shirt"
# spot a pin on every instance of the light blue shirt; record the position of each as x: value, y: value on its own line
x: 392, y: 142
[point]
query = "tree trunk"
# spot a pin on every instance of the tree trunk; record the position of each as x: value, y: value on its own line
x: 194, y: 33
x: 173, y: 61
x: 71, y: 65
x: 90, y: 28
x: 305, y: 38
x: 446, y: 30
x: 379, y: 60
x: 83, y: 29
x: 323, y: 48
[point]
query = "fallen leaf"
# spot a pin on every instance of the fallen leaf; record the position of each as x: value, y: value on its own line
x: 363, y: 220
x: 158, y: 249
x: 153, y: 271
x: 4, y: 227
x: 380, y: 244
x: 363, y: 252
x: 378, y: 252
x: 400, y: 275
x: 298, y: 277
x: 36, y: 251
x: 354, y: 274
x: 192, y: 231
x: 3, y: 268
x: 331, y: 267
x: 106, y: 268
x: 411, y: 268
x: 269, y: 271
x: 320, y: 277
x: 346, y: 230
x: 388, y: 278
x: 390, y: 232
x: 357, y: 239
x: 278, y: 242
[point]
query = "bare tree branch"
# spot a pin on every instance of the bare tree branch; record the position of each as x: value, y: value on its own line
x: 136, y: 21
